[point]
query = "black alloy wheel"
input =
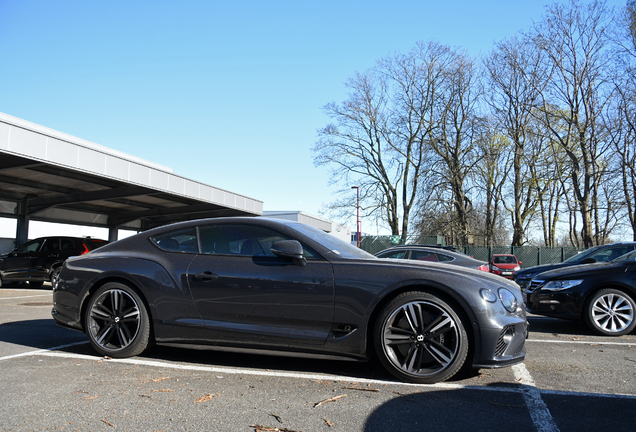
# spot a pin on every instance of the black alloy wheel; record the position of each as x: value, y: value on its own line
x: 420, y: 338
x: 117, y: 322
x: 610, y: 312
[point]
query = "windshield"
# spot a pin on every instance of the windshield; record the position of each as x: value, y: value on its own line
x: 581, y: 255
x: 338, y: 247
x: 627, y: 257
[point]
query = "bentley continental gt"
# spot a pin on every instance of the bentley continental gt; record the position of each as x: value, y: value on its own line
x: 272, y: 285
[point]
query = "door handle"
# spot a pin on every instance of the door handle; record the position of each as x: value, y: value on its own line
x: 205, y: 276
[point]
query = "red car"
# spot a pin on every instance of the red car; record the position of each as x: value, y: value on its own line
x: 504, y: 265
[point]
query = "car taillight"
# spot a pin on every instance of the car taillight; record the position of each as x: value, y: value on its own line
x: 85, y: 250
x: 483, y: 268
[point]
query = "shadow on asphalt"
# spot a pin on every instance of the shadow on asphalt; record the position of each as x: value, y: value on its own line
x: 38, y: 334
x: 453, y: 410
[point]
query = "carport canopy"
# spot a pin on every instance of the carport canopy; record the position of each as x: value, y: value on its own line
x: 50, y: 176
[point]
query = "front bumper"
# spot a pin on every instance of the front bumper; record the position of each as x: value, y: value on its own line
x: 503, y: 347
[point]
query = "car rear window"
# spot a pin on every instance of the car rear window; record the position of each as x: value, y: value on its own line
x: 90, y: 244
x: 178, y: 241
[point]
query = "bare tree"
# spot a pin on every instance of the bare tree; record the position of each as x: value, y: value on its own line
x: 516, y: 76
x: 379, y: 139
x: 575, y: 41
x: 454, y: 141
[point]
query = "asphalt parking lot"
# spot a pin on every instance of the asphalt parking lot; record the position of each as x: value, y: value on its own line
x: 52, y: 380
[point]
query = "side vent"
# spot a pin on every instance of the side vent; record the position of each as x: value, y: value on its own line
x: 340, y: 330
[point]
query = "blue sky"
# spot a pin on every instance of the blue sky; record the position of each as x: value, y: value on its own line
x: 229, y: 93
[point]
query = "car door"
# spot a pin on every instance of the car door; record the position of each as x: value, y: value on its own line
x: 48, y: 253
x: 245, y: 293
x: 18, y: 265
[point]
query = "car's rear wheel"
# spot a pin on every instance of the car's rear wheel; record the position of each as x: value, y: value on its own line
x: 420, y: 338
x: 55, y: 273
x: 610, y: 312
x: 117, y: 321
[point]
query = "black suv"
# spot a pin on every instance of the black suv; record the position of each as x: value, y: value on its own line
x: 40, y: 260
x: 600, y: 254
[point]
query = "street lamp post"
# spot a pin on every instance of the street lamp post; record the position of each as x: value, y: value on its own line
x: 358, y: 214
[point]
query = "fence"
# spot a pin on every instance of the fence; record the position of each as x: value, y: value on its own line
x: 528, y: 255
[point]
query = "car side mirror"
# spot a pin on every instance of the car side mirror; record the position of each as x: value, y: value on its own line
x: 588, y: 261
x: 289, y: 249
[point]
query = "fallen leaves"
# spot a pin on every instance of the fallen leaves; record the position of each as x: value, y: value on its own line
x: 108, y: 423
x: 361, y: 389
x: 327, y: 422
x: 333, y: 399
x: 207, y: 397
x: 259, y: 428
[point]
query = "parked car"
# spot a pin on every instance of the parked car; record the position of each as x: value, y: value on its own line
x: 40, y: 260
x: 264, y: 284
x: 504, y: 265
x: 432, y: 254
x: 602, y: 295
x: 604, y: 253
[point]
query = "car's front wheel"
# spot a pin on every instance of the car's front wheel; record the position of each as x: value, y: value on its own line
x: 420, y: 338
x: 610, y: 312
x: 117, y: 321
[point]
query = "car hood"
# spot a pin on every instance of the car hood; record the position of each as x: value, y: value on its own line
x: 579, y: 270
x: 543, y: 268
x: 506, y: 266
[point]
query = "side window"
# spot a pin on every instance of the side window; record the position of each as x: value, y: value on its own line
x: 31, y: 246
x: 67, y: 244
x: 444, y: 258
x: 394, y: 255
x: 423, y: 256
x: 178, y: 241
x: 609, y: 254
x: 51, y: 245
x: 243, y: 240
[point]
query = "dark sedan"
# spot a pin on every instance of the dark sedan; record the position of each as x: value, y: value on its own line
x: 603, y: 253
x: 273, y: 285
x: 601, y: 295
x: 432, y: 254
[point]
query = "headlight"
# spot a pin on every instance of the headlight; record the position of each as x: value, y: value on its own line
x: 516, y: 269
x: 561, y: 285
x: 488, y: 295
x: 495, y: 268
x: 508, y: 300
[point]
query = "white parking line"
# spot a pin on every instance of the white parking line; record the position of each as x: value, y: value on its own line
x: 11, y: 298
x: 583, y: 342
x: 42, y: 351
x: 539, y: 412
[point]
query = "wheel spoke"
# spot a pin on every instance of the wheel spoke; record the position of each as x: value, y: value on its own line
x: 409, y: 313
x: 101, y: 312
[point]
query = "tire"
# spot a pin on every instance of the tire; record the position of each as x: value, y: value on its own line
x: 117, y: 322
x: 55, y: 273
x: 419, y: 338
x: 610, y: 312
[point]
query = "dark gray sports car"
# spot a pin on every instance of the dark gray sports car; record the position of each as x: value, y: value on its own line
x: 265, y: 284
